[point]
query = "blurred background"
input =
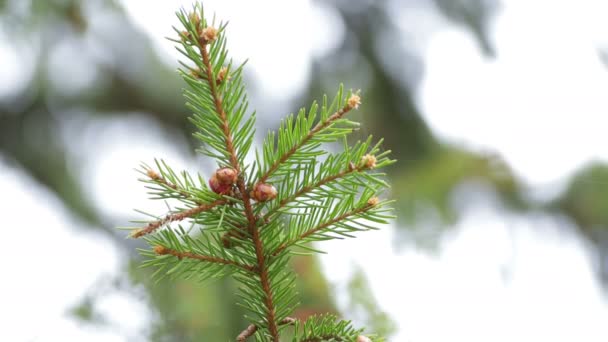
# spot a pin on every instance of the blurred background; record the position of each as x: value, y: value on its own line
x: 496, y: 110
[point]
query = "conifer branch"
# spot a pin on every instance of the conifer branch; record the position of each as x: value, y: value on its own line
x: 252, y: 328
x: 152, y: 226
x: 161, y: 250
x: 321, y: 200
x: 373, y: 202
x: 352, y: 103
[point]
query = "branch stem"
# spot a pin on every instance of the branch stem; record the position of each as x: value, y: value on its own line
x: 218, y: 107
x: 153, y: 226
x: 160, y: 250
x: 261, y: 268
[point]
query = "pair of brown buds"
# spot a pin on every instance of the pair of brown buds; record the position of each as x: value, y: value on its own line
x: 224, y: 179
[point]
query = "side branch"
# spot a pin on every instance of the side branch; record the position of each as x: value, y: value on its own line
x: 153, y: 226
x: 160, y: 180
x: 372, y: 203
x: 160, y: 250
x: 352, y: 103
x: 351, y: 169
x: 251, y: 329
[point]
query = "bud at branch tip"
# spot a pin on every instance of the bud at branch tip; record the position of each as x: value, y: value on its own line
x: 209, y: 34
x: 354, y: 101
x: 369, y: 161
x: 153, y: 174
x: 373, y: 201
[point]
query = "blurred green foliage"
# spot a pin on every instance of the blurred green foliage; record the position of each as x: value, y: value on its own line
x: 585, y: 197
x: 362, y: 305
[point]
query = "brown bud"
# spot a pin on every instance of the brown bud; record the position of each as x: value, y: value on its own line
x: 373, y: 201
x: 209, y: 34
x: 218, y: 187
x: 226, y: 175
x: 160, y: 250
x: 263, y: 192
x: 195, y: 19
x: 362, y: 338
x: 153, y: 174
x: 221, y: 76
x: 369, y: 161
x: 185, y: 35
x: 354, y: 101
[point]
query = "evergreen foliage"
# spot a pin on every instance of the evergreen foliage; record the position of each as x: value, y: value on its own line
x: 247, y: 220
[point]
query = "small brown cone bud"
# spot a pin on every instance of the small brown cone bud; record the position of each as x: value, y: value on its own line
x: 195, y: 19
x: 226, y: 175
x: 153, y: 174
x: 185, y: 35
x: 160, y: 250
x: 209, y: 34
x: 263, y: 192
x: 221, y: 76
x: 373, y: 201
x: 369, y: 161
x: 362, y: 338
x: 218, y: 187
x: 354, y: 101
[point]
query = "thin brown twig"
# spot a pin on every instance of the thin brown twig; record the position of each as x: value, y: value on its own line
x: 253, y: 230
x: 160, y: 180
x: 251, y: 329
x: 161, y: 250
x: 218, y: 106
x: 323, y: 225
x: 318, y: 127
x: 152, y: 226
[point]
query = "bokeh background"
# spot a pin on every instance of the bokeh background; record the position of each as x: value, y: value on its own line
x: 496, y: 110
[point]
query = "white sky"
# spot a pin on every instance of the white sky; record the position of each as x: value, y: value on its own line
x: 498, y: 276
x: 293, y: 30
x: 542, y: 103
